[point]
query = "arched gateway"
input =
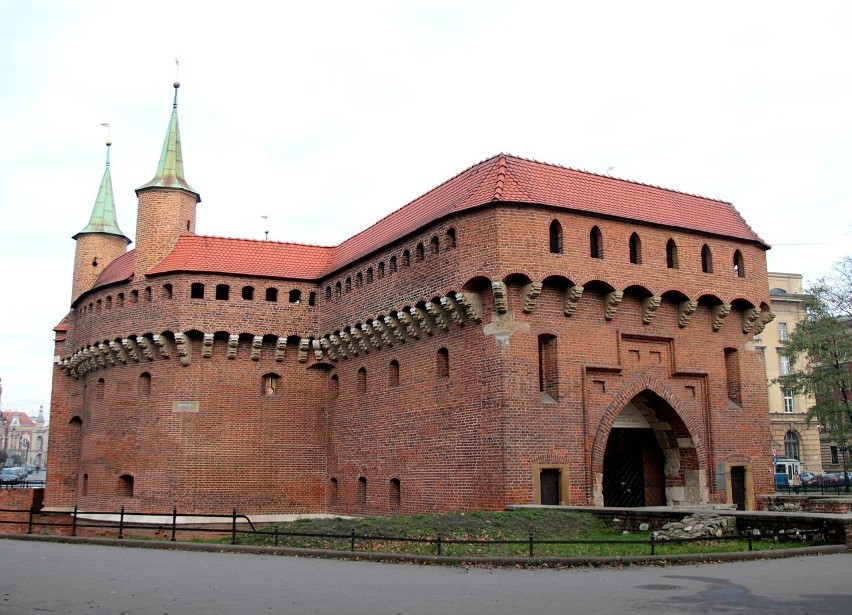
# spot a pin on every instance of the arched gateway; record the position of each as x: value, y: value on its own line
x: 650, y: 457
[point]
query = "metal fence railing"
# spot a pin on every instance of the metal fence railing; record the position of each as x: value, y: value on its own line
x: 239, y: 525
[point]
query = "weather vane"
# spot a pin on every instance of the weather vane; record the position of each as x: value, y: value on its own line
x: 266, y: 227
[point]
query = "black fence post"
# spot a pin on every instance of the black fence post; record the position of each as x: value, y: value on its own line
x: 352, y: 539
x: 276, y: 535
x: 121, y: 524
x: 532, y: 554
x: 234, y: 526
x: 174, y: 522
x: 30, y: 523
x: 439, y: 545
x: 749, y: 530
x: 74, y: 522
x: 653, y: 540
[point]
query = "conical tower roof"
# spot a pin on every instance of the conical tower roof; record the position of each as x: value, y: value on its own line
x: 170, y: 170
x: 103, y: 218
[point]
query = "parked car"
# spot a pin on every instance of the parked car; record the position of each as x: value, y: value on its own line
x: 808, y: 478
x: 829, y: 479
x: 9, y: 476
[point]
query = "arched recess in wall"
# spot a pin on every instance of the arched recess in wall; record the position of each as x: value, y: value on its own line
x: 442, y: 363
x: 556, y: 237
x: 393, y: 374
x: 671, y: 254
x: 270, y: 384
x: 739, y: 264
x: 125, y: 486
x: 706, y: 259
x: 71, y: 465
x: 670, y: 302
x: 194, y: 339
x: 434, y: 246
x: 635, y: 249
x: 395, y: 494
x: 596, y: 292
x: 706, y: 304
x: 144, y: 385
x: 596, y: 246
x: 515, y: 283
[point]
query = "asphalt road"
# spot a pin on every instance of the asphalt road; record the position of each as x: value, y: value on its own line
x: 41, y: 577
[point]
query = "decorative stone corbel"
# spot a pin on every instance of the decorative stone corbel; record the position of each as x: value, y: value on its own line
x: 207, y: 346
x: 132, y: 348
x: 501, y: 297
x: 347, y: 341
x: 649, y: 308
x: 106, y: 353
x: 358, y: 336
x: 338, y: 344
x: 387, y: 336
x: 719, y: 313
x: 280, y: 349
x: 371, y: 334
x: 183, y: 348
x: 330, y: 350
x: 256, y: 347
x: 765, y: 318
x: 456, y: 312
x: 147, y: 347
x: 411, y: 327
x: 233, y: 344
x: 303, y: 350
x: 685, y: 310
x: 529, y: 296
x: 317, y: 349
x: 435, y: 311
x: 570, y: 299
x: 750, y: 318
x: 97, y: 359
x: 424, y: 321
x: 471, y: 303
x: 164, y: 346
x: 119, y: 352
x: 393, y: 325
x: 611, y: 302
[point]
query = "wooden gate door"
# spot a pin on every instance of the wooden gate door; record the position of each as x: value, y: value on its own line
x: 738, y: 490
x: 549, y: 483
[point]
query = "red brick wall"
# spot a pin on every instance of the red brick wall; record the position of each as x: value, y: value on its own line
x: 466, y: 441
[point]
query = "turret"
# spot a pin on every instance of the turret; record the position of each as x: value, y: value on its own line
x: 101, y: 242
x: 166, y: 203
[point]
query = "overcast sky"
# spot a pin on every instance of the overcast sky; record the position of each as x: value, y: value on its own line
x: 326, y: 116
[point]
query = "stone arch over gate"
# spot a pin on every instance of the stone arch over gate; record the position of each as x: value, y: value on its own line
x: 670, y: 450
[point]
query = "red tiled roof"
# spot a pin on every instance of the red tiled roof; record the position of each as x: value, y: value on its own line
x: 246, y: 257
x: 23, y: 418
x: 502, y: 178
x: 510, y: 179
x: 119, y: 270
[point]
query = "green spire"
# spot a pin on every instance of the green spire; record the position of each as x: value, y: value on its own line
x: 103, y: 218
x: 170, y: 171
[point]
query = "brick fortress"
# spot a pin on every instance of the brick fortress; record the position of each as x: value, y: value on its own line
x: 523, y: 333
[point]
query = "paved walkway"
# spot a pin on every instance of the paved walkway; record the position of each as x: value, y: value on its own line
x: 82, y: 578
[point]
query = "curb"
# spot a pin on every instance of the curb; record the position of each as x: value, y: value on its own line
x: 509, y: 562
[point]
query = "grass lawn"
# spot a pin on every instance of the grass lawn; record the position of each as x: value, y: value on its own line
x: 384, y: 534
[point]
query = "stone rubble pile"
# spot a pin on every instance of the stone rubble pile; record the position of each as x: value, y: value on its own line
x: 698, y: 525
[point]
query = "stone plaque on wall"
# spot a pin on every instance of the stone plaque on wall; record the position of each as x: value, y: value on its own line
x: 185, y: 406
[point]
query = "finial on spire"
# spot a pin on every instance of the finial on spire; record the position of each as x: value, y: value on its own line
x: 177, y: 82
x: 109, y: 139
x: 265, y: 227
